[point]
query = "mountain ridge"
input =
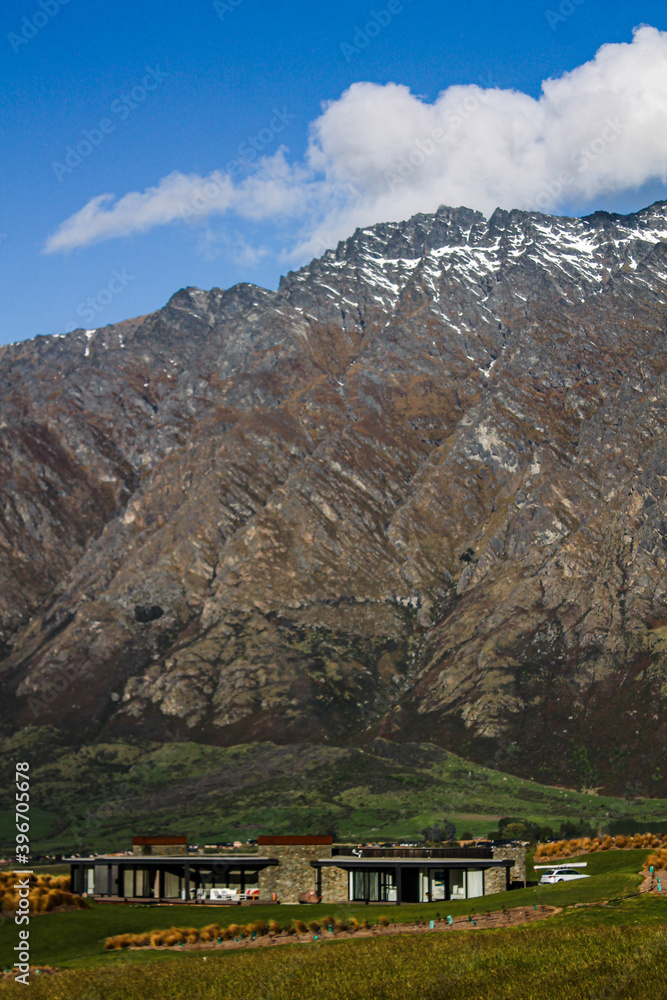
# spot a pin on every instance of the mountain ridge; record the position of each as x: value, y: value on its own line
x: 389, y: 499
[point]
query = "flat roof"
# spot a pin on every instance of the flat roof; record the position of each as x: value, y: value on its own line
x: 300, y: 840
x: 163, y: 841
x: 342, y: 861
x: 192, y: 859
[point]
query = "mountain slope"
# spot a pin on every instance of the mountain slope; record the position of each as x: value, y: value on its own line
x: 417, y: 493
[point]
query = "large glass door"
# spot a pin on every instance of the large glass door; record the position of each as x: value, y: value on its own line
x: 376, y: 886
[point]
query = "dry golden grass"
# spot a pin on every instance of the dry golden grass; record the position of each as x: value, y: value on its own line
x: 45, y: 893
x: 587, y: 845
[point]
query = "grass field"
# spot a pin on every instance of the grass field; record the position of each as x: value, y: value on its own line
x: 76, y: 939
x: 585, y: 959
x: 615, y: 948
x: 96, y: 797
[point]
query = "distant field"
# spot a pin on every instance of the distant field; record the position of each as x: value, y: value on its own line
x: 97, y: 797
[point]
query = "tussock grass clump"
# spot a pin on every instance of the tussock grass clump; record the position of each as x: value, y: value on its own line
x: 274, y: 927
x: 45, y: 893
x: 589, y: 845
x: 300, y: 927
x: 172, y: 938
x: 383, y: 921
x: 658, y: 860
x: 209, y: 933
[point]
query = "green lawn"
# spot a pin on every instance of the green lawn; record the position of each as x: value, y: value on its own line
x: 544, y: 962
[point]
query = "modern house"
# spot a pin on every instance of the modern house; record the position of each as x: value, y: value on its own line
x: 165, y: 877
x: 285, y: 868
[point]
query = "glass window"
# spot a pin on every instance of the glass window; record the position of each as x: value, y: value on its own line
x: 142, y: 884
x: 90, y: 880
x: 475, y: 882
x: 101, y: 880
x: 173, y: 885
x: 457, y: 883
x: 438, y: 885
x: 375, y: 886
x: 128, y: 883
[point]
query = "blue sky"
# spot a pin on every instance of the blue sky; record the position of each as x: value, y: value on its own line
x: 168, y: 94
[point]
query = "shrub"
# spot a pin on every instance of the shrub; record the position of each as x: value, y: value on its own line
x: 274, y: 927
x: 340, y: 925
x: 234, y: 930
x: 313, y: 926
x: 300, y: 927
x: 384, y: 921
x: 209, y: 933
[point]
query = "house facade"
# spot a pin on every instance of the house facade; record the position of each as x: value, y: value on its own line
x: 287, y: 868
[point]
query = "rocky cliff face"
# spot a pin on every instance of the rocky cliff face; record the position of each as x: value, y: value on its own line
x: 418, y: 493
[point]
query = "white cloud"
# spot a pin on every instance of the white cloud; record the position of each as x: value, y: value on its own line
x: 380, y: 153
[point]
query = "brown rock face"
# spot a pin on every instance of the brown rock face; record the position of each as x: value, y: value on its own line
x: 419, y: 492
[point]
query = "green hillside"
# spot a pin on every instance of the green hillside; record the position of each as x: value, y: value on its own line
x: 95, y: 797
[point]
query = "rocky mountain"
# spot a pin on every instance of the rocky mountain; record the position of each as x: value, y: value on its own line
x: 418, y: 493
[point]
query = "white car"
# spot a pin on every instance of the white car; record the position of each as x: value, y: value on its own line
x: 552, y: 875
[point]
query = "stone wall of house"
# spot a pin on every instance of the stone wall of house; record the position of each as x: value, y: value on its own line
x: 161, y: 850
x: 293, y: 873
x: 335, y: 885
x: 495, y: 878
